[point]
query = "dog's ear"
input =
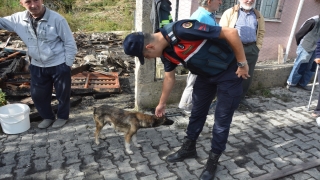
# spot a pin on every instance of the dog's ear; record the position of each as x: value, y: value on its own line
x: 167, y: 121
x: 157, y: 121
x: 153, y: 110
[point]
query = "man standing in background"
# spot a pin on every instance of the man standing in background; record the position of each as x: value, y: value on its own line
x: 204, y: 14
x: 52, y: 49
x: 251, y: 28
x: 304, y: 65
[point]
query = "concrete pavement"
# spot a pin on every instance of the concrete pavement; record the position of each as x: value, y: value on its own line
x: 277, y: 133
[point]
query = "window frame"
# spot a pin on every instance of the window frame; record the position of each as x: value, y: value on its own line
x: 277, y: 11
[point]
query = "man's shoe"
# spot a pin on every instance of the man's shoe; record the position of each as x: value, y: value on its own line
x: 315, y: 114
x: 292, y: 88
x: 45, y: 123
x: 186, y: 113
x: 307, y: 88
x: 59, y: 123
x: 210, y: 168
x: 188, y: 150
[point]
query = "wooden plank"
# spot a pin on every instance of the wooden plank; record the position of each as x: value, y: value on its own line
x: 288, y: 171
x: 12, y: 50
x: 80, y: 69
x: 10, y: 56
x: 27, y: 101
x: 97, y: 81
x: 280, y: 54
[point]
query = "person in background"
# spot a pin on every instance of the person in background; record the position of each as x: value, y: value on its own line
x: 304, y: 65
x: 316, y: 112
x: 204, y: 14
x: 196, y: 42
x: 251, y: 28
x: 52, y: 50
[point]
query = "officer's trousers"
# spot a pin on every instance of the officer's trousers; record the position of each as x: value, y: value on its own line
x: 43, y: 79
x: 228, y: 88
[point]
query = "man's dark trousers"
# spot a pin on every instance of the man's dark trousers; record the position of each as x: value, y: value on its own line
x: 252, y: 53
x: 228, y: 88
x: 42, y: 81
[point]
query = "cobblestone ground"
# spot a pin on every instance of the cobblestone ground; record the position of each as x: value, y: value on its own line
x: 275, y: 134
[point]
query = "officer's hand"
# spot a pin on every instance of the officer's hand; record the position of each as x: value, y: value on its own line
x: 160, y: 110
x: 243, y: 72
x: 317, y: 60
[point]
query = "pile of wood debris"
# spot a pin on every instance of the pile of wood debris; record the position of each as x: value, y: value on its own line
x: 99, y: 53
x: 98, y: 64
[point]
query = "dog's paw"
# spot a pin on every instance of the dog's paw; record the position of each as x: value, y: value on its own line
x: 137, y: 145
x: 128, y: 151
x: 102, y: 136
x: 97, y: 142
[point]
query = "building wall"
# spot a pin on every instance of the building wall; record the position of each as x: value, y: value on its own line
x: 278, y: 32
x: 184, y: 9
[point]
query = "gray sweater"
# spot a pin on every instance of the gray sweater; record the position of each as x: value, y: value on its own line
x: 53, y: 44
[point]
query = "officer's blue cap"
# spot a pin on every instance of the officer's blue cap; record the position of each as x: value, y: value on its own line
x: 133, y: 45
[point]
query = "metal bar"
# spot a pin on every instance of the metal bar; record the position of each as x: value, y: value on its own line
x: 314, y: 82
x: 288, y: 171
x: 177, y: 10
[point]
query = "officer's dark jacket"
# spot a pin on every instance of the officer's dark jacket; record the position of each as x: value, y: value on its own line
x: 197, y: 47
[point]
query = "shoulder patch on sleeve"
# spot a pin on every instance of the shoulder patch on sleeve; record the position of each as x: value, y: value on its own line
x: 201, y: 26
x: 187, y: 25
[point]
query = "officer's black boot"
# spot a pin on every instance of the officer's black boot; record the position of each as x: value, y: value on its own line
x: 210, y: 169
x: 188, y: 150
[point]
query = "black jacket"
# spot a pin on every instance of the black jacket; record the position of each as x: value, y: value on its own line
x: 160, y: 14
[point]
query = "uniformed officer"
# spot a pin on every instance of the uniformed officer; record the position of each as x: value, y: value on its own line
x: 181, y: 42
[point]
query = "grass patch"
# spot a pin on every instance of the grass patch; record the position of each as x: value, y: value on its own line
x: 260, y: 91
x: 284, y: 97
x: 97, y: 16
x: 8, y: 7
x: 3, y: 100
x: 266, y: 93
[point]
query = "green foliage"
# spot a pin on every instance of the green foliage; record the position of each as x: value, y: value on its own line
x: 260, y: 91
x: 9, y: 3
x: 97, y: 16
x: 284, y: 97
x: 73, y: 22
x: 63, y: 5
x: 103, y: 3
x: 3, y: 100
x: 266, y: 93
x: 8, y: 7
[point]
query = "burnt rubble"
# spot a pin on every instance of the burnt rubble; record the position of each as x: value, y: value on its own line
x: 98, y: 63
x: 97, y: 70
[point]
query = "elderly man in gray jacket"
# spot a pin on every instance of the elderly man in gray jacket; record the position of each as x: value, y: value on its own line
x: 52, y: 50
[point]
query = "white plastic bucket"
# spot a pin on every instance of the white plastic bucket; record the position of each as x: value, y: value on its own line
x: 14, y: 118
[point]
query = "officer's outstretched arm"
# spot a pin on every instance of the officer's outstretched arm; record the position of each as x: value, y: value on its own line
x: 168, y: 83
x: 233, y: 39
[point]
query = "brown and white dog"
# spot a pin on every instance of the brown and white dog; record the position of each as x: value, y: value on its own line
x: 128, y: 122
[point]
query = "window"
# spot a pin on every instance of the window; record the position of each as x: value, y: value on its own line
x: 270, y: 9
